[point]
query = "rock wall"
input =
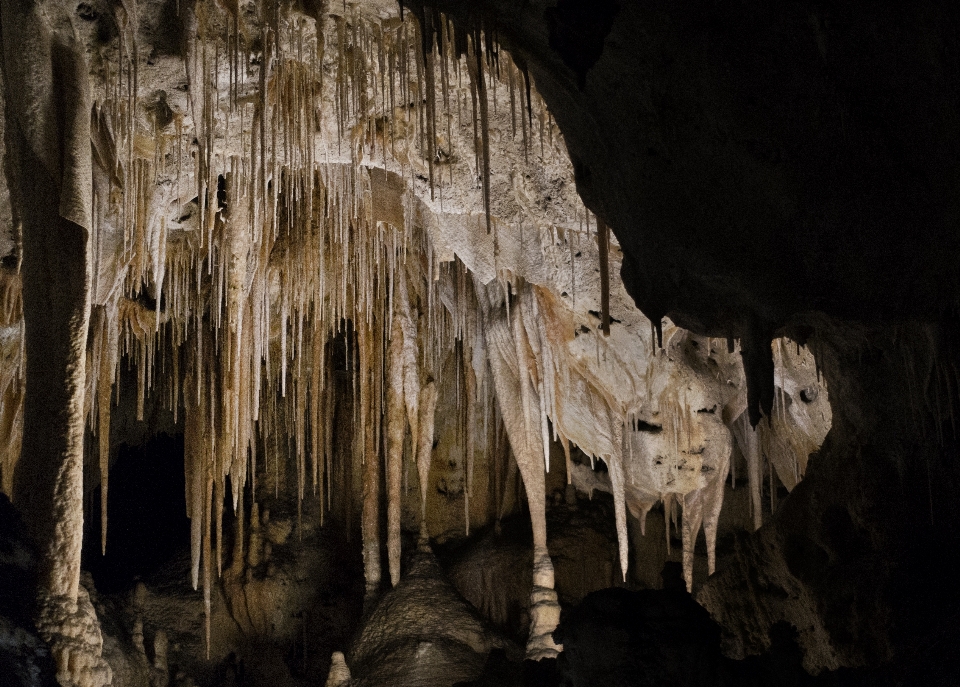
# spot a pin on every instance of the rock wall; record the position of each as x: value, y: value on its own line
x: 344, y: 248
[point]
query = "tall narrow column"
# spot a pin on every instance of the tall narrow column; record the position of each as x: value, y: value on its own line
x: 48, y: 125
x: 520, y: 408
x: 370, y: 520
x: 48, y: 485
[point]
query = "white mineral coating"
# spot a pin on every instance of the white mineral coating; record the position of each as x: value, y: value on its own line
x: 246, y: 206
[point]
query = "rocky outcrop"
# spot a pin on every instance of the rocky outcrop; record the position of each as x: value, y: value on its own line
x: 313, y: 263
x: 771, y: 175
x: 850, y: 560
x: 421, y: 633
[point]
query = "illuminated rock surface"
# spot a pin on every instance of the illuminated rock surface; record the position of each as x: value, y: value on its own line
x: 363, y: 259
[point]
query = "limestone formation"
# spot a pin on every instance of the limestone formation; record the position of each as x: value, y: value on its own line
x: 365, y: 255
x: 420, y: 633
x: 73, y: 633
x: 339, y: 672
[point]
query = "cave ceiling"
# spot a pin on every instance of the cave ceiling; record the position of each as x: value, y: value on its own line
x: 453, y: 190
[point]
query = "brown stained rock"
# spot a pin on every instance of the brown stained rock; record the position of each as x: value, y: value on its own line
x: 421, y: 633
x: 766, y: 173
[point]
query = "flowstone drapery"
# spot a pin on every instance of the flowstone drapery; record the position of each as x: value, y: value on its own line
x: 291, y: 179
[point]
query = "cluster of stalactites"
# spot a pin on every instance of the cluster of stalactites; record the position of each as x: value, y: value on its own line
x: 225, y: 304
x: 398, y: 84
x: 237, y: 343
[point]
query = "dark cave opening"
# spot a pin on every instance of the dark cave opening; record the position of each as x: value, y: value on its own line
x: 146, y: 514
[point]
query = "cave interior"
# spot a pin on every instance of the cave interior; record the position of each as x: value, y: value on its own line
x: 479, y: 342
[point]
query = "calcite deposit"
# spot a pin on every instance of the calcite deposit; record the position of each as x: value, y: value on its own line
x: 344, y: 249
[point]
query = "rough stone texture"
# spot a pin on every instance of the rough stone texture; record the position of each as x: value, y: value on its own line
x: 421, y: 633
x: 759, y: 167
x: 24, y: 657
x: 621, y: 638
x: 847, y: 558
x: 765, y: 172
x: 494, y: 573
x: 731, y: 155
x: 76, y: 643
x: 292, y: 596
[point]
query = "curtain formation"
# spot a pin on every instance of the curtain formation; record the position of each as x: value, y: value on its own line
x: 383, y: 180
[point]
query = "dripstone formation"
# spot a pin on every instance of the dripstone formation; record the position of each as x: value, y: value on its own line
x: 342, y: 279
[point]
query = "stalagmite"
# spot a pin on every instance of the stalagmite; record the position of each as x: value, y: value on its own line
x: 544, y: 609
x: 161, y: 670
x: 265, y: 283
x: 339, y: 675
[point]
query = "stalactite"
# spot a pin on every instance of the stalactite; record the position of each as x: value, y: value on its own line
x: 713, y: 502
x: 428, y: 405
x: 471, y: 401
x: 329, y: 408
x: 370, y: 462
x: 396, y: 429
x: 207, y: 552
x: 565, y: 443
x: 667, y: 518
x: 482, y: 134
x: 618, y: 483
x: 287, y: 248
x: 427, y: 31
x: 218, y: 496
x: 511, y: 375
x: 749, y: 442
x: 603, y: 243
x: 692, y: 520
x: 411, y: 368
